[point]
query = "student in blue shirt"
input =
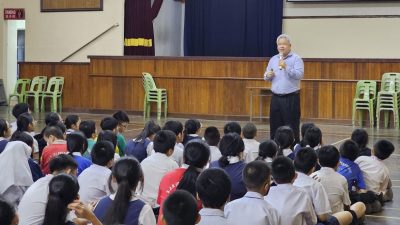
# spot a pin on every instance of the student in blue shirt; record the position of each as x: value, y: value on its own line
x: 191, y: 131
x: 76, y: 146
x: 232, y: 147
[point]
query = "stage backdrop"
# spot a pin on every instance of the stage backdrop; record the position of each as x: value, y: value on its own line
x: 232, y: 27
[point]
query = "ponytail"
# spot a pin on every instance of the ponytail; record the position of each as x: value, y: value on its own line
x: 188, y: 181
x: 231, y: 144
x: 191, y: 127
x: 149, y: 129
x: 117, y: 212
x: 56, y: 212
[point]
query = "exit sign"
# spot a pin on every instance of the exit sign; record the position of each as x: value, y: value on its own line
x: 14, y: 14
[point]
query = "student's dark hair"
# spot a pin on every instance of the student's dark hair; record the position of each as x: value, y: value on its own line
x: 360, y: 136
x: 383, y: 149
x: 256, y: 174
x: 213, y: 187
x: 180, y: 208
x: 88, y: 127
x: 283, y: 170
x: 164, y: 140
x: 23, y: 121
x: 232, y: 127
x: 249, y: 131
x: 62, y: 162
x: 52, y: 118
x: 7, y: 212
x: 109, y: 123
x: 102, y: 153
x: 266, y: 149
x: 3, y: 127
x: 174, y: 126
x: 284, y: 138
x: 76, y: 142
x: 231, y: 144
x: 196, y: 154
x: 191, y: 127
x: 20, y: 108
x: 22, y: 136
x: 149, y: 129
x: 128, y: 173
x: 328, y: 156
x: 61, y: 125
x: 305, y: 127
x: 305, y: 160
x: 312, y: 137
x: 212, y: 136
x: 55, y: 131
x: 349, y: 150
x: 63, y: 190
x: 108, y: 135
x: 71, y: 120
x: 121, y: 116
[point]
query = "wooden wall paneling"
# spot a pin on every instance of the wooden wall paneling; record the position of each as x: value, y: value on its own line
x: 343, y: 93
x: 324, y: 105
x: 338, y: 70
x: 312, y: 70
x: 101, y: 96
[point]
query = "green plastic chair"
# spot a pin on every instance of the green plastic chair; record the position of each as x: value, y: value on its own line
x: 20, y: 90
x: 54, y: 92
x: 388, y: 98
x: 153, y: 94
x: 37, y: 86
x: 364, y: 99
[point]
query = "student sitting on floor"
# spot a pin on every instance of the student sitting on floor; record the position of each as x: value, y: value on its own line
x: 26, y: 123
x: 232, y: 147
x: 180, y: 208
x: 108, y: 135
x: 141, y: 146
x: 72, y: 123
x: 376, y: 173
x: 232, y: 127
x: 157, y: 165
x: 56, y: 145
x: 303, y: 130
x: 5, y: 133
x: 360, y: 136
x: 17, y: 110
x: 94, y: 180
x: 312, y: 138
x: 51, y: 119
x: 212, y: 137
x: 251, y: 145
x: 213, y: 188
x: 335, y: 184
x: 123, y: 121
x: 267, y: 151
x: 191, y: 131
x: 8, y: 216
x: 88, y: 128
x: 293, y: 204
x: 252, y: 208
x: 124, y: 207
x: 77, y: 145
x: 111, y: 124
x: 284, y: 138
x: 176, y: 127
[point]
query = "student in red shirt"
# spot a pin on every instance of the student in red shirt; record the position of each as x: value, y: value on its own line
x: 195, y: 157
x: 56, y: 145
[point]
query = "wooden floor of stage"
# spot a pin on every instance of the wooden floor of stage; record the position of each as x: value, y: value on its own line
x: 332, y: 134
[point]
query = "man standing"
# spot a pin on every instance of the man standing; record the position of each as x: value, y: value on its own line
x: 285, y: 71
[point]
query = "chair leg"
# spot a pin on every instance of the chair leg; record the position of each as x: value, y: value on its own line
x: 54, y: 104
x: 165, y: 109
x: 371, y: 117
x: 148, y: 110
x: 360, y: 117
x: 42, y: 105
x: 36, y: 104
x: 353, y: 119
x: 386, y: 118
x: 60, y: 104
x: 159, y: 110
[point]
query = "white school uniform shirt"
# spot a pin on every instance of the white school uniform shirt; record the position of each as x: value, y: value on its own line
x: 251, y: 209
x: 215, y: 153
x: 316, y: 192
x: 209, y: 216
x: 177, y: 156
x: 293, y: 205
x: 35, y: 143
x: 335, y: 186
x: 251, y: 149
x: 32, y: 207
x: 150, y: 149
x: 93, y: 182
x: 375, y: 172
x: 154, y: 168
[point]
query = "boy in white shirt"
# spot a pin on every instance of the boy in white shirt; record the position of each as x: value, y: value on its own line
x: 157, y: 165
x: 212, y: 137
x: 213, y: 188
x: 293, y: 204
x: 376, y: 174
x: 251, y: 145
x: 176, y: 127
x: 335, y: 184
x: 252, y: 208
x: 305, y: 163
x: 93, y: 181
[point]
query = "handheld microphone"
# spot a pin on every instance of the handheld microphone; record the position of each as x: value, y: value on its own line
x: 280, y: 58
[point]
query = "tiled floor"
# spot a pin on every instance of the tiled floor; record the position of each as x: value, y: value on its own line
x: 332, y: 134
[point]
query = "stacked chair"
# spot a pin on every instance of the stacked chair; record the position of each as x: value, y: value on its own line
x: 364, y: 99
x: 38, y: 85
x: 54, y: 93
x: 153, y: 94
x: 20, y: 90
x: 389, y: 98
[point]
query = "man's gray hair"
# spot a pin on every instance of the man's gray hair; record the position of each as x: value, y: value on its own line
x: 285, y: 36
